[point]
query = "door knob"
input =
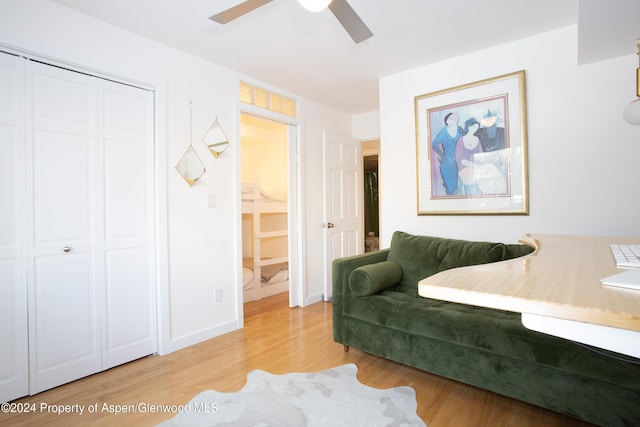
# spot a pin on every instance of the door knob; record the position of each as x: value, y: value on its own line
x: 66, y: 249
x: 330, y: 225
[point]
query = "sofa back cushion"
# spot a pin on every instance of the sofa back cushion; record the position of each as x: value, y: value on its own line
x: 423, y: 256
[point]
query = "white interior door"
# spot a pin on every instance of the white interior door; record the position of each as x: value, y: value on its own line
x: 64, y: 304
x: 343, y: 201
x: 14, y: 367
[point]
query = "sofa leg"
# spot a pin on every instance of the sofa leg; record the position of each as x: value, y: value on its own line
x: 346, y: 348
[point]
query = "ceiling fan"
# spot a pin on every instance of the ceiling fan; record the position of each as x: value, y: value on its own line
x: 345, y: 14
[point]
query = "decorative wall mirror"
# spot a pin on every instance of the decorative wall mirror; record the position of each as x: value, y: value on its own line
x: 190, y: 166
x: 215, y: 139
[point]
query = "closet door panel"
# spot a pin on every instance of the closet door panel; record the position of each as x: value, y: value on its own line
x: 13, y: 304
x: 8, y: 189
x: 62, y: 191
x: 13, y: 358
x: 130, y: 306
x: 128, y: 172
x: 128, y: 112
x: 128, y: 180
x: 65, y: 334
x: 14, y: 367
x: 62, y: 100
x: 66, y: 339
x: 11, y: 70
x: 126, y: 194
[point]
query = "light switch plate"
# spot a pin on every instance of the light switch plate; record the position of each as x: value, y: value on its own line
x: 211, y: 200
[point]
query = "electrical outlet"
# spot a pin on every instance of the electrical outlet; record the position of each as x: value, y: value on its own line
x: 217, y: 296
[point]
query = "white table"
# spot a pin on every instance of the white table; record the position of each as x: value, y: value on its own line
x: 556, y: 288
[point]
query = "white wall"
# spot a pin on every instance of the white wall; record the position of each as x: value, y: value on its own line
x: 198, y: 249
x: 366, y: 126
x: 583, y: 158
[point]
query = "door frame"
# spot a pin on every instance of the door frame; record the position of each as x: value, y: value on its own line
x: 369, y: 150
x: 297, y: 258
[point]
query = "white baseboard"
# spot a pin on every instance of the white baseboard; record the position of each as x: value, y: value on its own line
x: 203, y: 335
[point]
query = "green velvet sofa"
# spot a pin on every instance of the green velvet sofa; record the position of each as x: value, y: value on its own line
x: 376, y: 308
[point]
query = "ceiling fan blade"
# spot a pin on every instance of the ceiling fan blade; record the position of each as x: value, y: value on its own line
x: 237, y: 11
x: 350, y: 20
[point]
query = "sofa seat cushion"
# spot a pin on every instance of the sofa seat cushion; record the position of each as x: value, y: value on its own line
x: 494, y: 331
x: 423, y: 256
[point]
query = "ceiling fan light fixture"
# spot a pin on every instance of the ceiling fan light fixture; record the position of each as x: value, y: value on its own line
x: 315, y: 5
x: 632, y: 113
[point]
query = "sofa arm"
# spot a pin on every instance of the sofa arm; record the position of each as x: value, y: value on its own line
x: 341, y: 269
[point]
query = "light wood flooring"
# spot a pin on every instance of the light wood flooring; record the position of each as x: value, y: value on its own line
x: 277, y: 339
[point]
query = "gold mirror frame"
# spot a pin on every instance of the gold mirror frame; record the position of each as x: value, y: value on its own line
x: 215, y: 139
x: 190, y: 166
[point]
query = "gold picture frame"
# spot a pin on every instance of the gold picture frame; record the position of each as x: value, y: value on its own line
x: 471, y: 148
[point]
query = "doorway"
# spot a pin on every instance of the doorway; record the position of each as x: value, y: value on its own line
x: 265, y: 179
x: 371, y: 177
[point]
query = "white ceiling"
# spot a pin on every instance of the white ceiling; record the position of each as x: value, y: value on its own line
x: 311, y: 55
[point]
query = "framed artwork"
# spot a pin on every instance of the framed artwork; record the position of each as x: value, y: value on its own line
x: 471, y: 148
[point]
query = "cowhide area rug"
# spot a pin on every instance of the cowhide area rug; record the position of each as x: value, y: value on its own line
x: 333, y: 397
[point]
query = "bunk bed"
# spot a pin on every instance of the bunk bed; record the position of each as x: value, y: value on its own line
x: 263, y: 275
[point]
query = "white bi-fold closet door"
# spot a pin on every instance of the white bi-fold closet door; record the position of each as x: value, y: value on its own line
x: 88, y: 231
